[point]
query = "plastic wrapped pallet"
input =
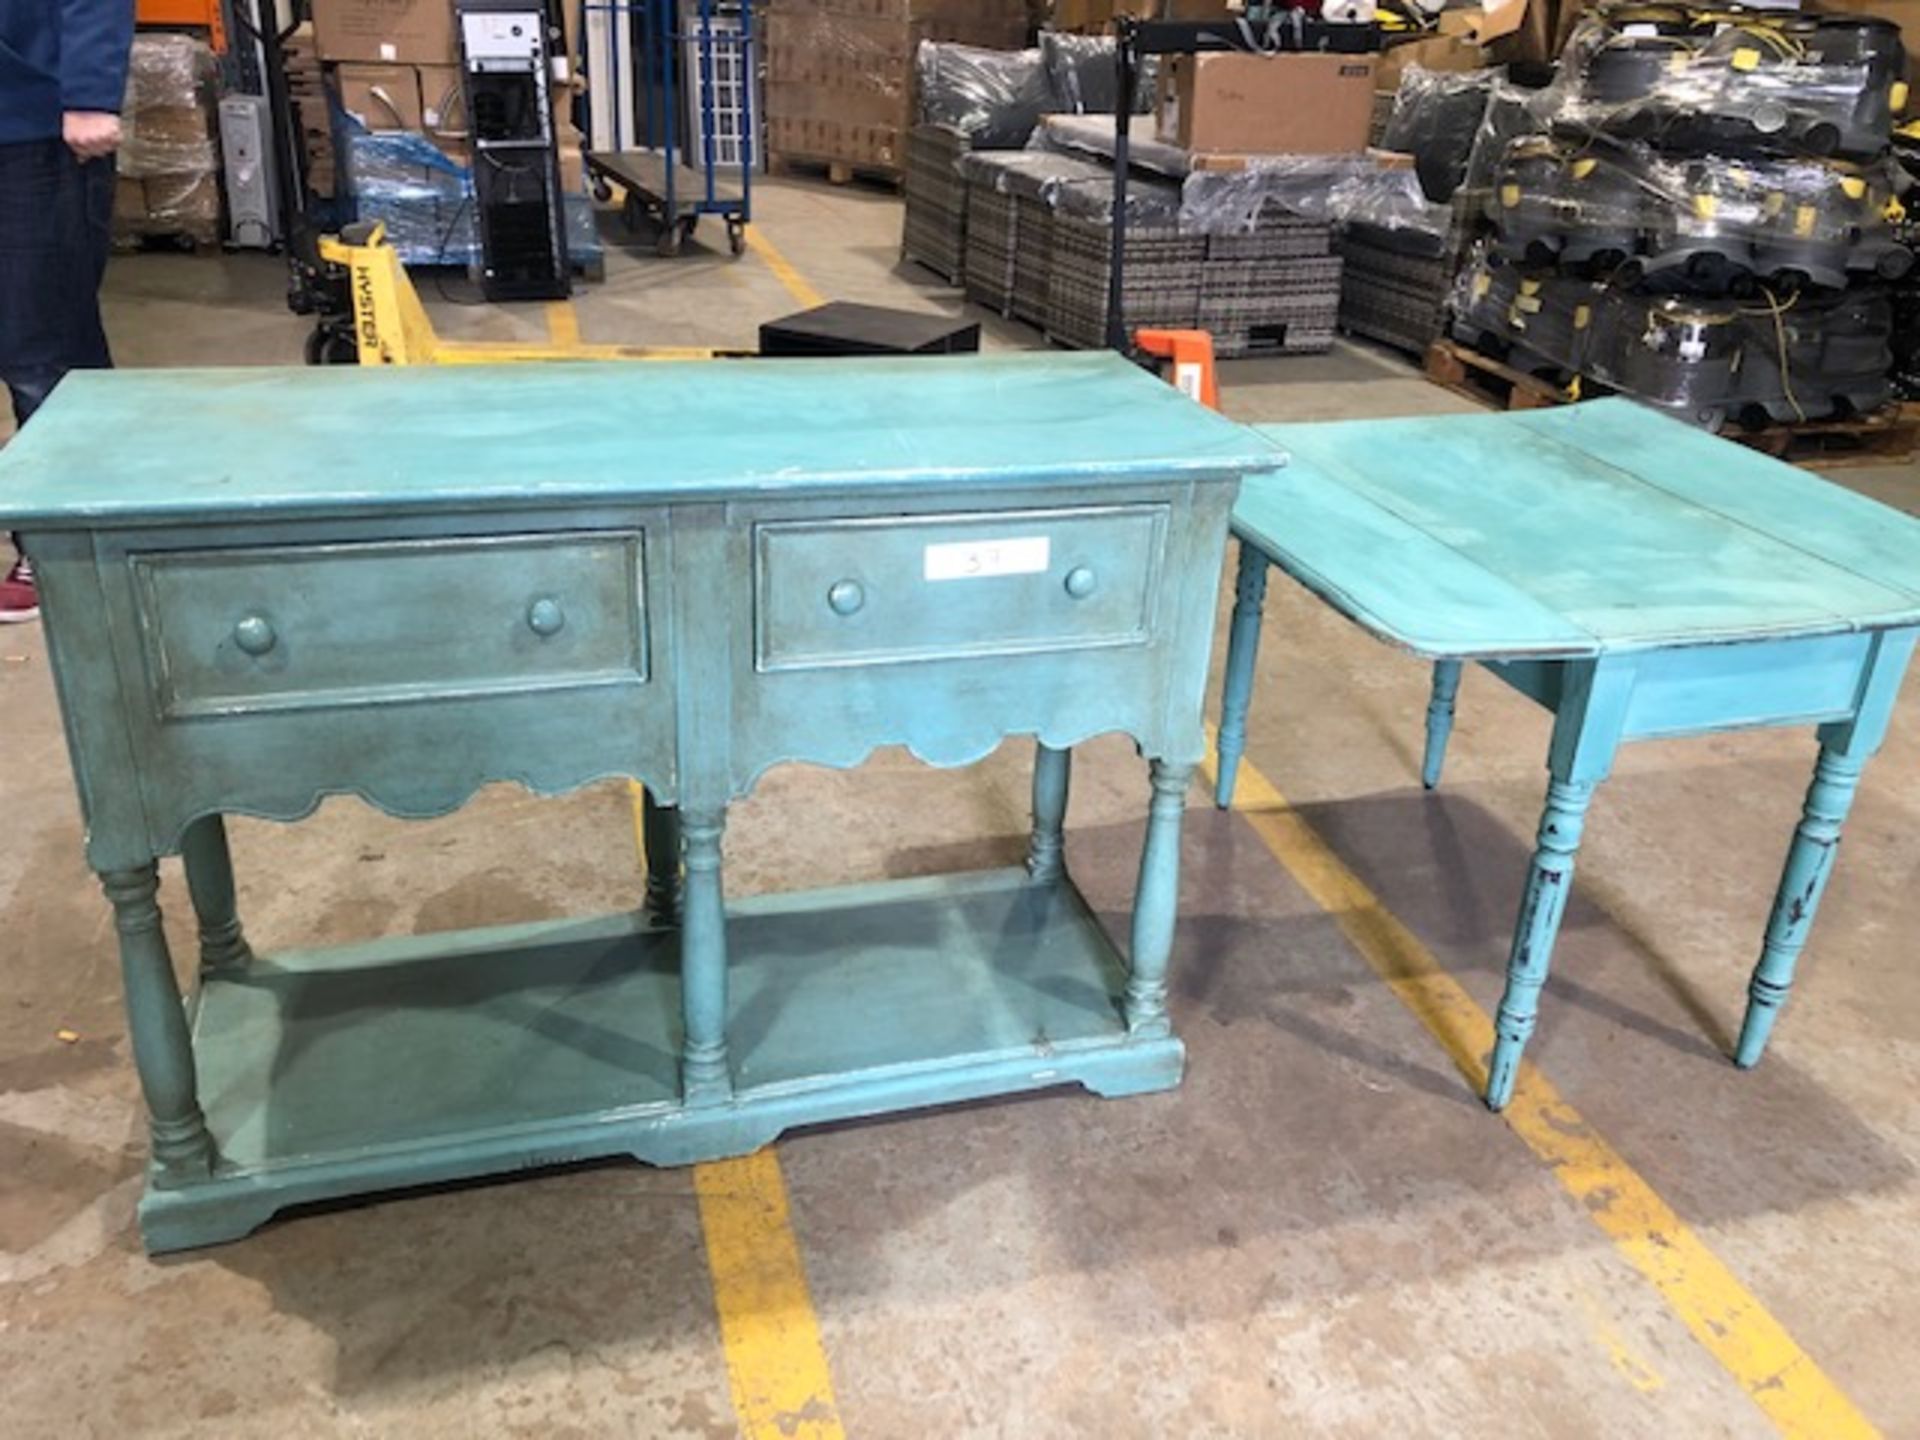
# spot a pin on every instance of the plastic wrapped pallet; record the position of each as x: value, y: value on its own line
x: 425, y: 200
x: 1436, y: 116
x: 1511, y: 113
x: 1398, y: 275
x: 993, y: 97
x: 1228, y: 202
x: 1709, y: 223
x: 839, y: 76
x: 1390, y: 208
x: 1752, y: 84
x: 168, y: 161
x: 1083, y: 75
x: 1709, y: 361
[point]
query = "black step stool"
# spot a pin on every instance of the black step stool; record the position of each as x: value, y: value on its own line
x: 844, y: 328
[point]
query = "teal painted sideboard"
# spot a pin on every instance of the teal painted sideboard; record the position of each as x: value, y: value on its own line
x: 265, y: 587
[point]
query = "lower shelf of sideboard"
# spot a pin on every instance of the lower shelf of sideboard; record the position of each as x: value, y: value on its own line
x: 418, y: 1060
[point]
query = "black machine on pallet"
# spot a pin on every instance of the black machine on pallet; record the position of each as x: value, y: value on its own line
x: 506, y: 72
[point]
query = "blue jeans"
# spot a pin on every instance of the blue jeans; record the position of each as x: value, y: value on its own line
x: 56, y: 225
x: 56, y: 216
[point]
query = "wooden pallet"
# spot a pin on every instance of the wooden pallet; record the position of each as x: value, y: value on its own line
x: 1884, y: 437
x: 834, y: 172
x: 1491, y: 382
x: 1887, y: 436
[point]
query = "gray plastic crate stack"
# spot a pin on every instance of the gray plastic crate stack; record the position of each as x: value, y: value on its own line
x: 936, y: 201
x: 1400, y: 299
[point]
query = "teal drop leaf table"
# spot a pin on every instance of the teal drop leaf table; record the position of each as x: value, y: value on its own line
x: 266, y: 587
x: 1635, y: 576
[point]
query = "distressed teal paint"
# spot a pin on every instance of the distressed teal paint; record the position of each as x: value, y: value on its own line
x: 1440, y: 706
x: 405, y: 585
x: 1634, y: 576
x: 209, y: 866
x: 1046, y: 849
x: 343, y: 440
x: 1249, y: 594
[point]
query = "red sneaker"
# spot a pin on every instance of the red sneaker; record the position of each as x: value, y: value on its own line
x: 19, y: 599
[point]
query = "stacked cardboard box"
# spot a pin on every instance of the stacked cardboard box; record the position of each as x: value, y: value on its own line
x: 392, y: 68
x: 169, y: 165
x: 839, y: 87
x: 1096, y: 17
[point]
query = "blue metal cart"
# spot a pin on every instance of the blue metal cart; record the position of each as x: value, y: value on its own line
x: 698, y: 53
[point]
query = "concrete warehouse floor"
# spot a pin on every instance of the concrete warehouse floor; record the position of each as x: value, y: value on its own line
x: 1321, y: 1233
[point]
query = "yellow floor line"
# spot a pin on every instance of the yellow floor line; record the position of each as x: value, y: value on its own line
x: 783, y: 271
x: 563, y: 323
x: 776, y: 1363
x: 1722, y: 1314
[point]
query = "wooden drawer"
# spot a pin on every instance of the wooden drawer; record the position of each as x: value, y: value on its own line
x: 292, y: 628
x: 883, y: 590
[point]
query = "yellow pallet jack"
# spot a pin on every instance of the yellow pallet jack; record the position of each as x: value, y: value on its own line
x: 382, y: 322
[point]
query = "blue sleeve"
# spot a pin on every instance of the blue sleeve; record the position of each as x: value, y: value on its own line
x: 96, y: 37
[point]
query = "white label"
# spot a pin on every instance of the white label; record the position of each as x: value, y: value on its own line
x: 978, y: 559
x: 389, y: 51
x: 1189, y: 378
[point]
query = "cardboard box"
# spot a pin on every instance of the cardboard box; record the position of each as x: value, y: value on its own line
x: 443, y: 104
x: 189, y: 201
x: 1291, y: 104
x: 129, y: 198
x: 456, y: 146
x: 393, y: 32
x: 1442, y: 52
x: 1095, y: 17
x: 573, y: 168
x: 380, y: 97
x: 839, y: 76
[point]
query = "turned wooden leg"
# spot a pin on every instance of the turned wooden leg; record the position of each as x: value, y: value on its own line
x: 1845, y: 748
x: 1446, y: 688
x: 660, y: 832
x: 1541, y: 906
x: 162, y: 1046
x: 1156, y: 902
x: 1243, y: 650
x: 1046, y: 850
x: 703, y: 961
x: 1816, y: 842
x: 210, y: 882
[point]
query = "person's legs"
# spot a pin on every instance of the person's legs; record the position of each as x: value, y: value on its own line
x: 56, y: 216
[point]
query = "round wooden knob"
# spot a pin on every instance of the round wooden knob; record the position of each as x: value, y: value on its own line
x: 1080, y: 582
x: 545, y: 617
x: 255, y: 635
x: 846, y: 597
